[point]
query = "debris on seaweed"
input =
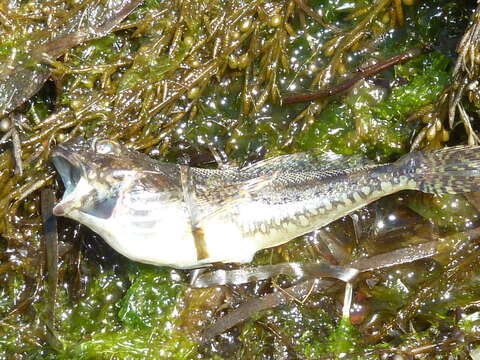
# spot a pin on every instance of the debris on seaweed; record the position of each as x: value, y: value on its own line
x: 175, y: 78
x: 364, y: 73
x: 269, y: 301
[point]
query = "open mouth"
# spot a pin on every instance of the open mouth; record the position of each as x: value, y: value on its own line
x: 69, y: 169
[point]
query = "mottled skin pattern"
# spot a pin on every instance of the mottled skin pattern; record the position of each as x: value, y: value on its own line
x: 175, y: 215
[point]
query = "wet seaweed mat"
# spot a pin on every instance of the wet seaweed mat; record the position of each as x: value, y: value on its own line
x: 175, y: 79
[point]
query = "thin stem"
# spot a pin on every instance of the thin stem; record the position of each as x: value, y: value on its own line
x: 363, y: 73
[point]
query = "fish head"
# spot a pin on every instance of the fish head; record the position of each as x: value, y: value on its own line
x: 93, y: 172
x: 125, y: 197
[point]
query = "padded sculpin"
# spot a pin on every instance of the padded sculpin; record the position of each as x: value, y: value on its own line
x: 185, y: 217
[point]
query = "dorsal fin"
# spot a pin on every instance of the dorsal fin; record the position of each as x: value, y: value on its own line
x: 307, y: 162
x: 211, y: 204
x: 218, y: 190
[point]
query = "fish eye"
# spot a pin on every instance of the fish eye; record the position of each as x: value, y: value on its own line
x: 104, y: 147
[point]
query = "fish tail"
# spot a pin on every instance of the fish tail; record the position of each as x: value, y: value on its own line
x: 452, y: 170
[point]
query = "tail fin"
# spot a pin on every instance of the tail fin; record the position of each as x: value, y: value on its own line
x: 452, y: 170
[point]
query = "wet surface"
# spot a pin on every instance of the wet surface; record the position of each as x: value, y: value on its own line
x: 175, y: 78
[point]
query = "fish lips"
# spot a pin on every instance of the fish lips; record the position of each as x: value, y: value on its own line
x: 70, y: 168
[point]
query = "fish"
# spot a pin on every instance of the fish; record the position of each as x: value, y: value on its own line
x: 187, y: 217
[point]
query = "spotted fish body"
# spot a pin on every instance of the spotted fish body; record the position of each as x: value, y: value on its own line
x: 186, y: 217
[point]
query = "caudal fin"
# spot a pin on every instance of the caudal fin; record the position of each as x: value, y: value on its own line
x: 452, y: 170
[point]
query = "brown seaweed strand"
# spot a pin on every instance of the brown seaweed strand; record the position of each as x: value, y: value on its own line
x: 347, y: 84
x: 51, y: 246
x: 307, y: 10
x: 304, y: 289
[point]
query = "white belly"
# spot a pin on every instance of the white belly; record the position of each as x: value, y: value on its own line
x: 170, y: 242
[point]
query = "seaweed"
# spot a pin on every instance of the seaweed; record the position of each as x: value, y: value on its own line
x: 175, y: 79
x: 142, y: 324
x: 24, y: 71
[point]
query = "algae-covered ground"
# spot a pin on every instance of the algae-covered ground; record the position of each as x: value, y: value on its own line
x: 176, y: 79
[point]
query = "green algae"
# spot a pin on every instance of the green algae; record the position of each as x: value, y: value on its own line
x: 343, y: 340
x: 152, y: 293
x: 305, y: 330
x: 370, y: 121
x: 138, y: 323
x: 451, y: 212
x: 309, y: 332
x: 149, y: 85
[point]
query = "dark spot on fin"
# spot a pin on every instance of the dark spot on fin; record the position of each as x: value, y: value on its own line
x: 200, y: 244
